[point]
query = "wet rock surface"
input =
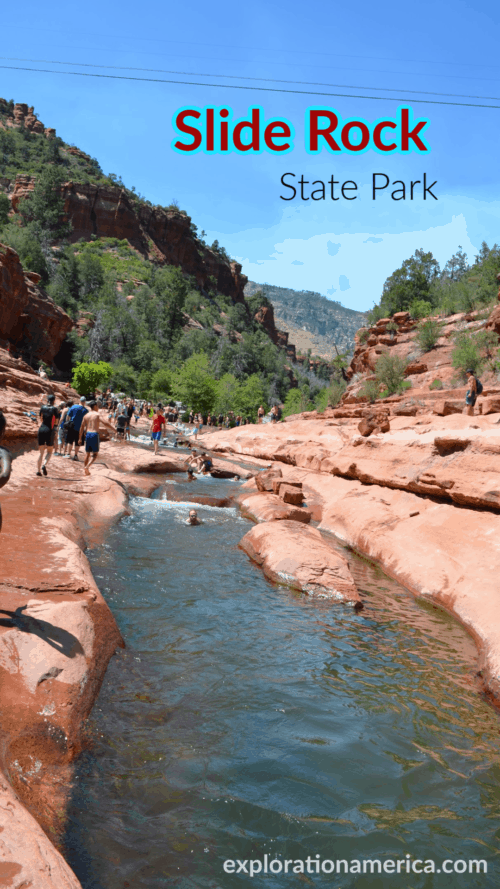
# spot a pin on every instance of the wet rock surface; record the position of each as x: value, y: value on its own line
x: 297, y: 556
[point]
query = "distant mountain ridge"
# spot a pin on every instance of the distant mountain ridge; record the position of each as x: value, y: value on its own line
x: 313, y: 321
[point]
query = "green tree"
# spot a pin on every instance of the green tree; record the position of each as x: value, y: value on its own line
x: 420, y: 308
x: 297, y: 401
x: 64, y: 287
x: 27, y: 244
x: 335, y: 392
x: 124, y: 378
x: 412, y: 281
x: 91, y: 274
x: 389, y: 371
x: 4, y: 210
x: 45, y: 204
x: 88, y: 376
x: 161, y: 383
x: 428, y: 334
x: 227, y: 393
x: 251, y: 394
x: 195, y: 385
x: 456, y: 267
x: 144, y: 383
x: 370, y: 390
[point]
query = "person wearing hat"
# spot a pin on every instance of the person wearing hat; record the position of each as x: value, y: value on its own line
x: 471, y: 394
x: 49, y: 416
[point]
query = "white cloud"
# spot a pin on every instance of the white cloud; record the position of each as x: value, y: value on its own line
x: 311, y: 251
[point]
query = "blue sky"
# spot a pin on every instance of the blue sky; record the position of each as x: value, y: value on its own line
x: 343, y: 249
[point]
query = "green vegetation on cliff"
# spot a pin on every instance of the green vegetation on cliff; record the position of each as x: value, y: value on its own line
x: 422, y: 288
x: 161, y: 333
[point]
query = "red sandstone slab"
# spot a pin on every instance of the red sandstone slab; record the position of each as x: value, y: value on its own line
x: 297, y: 556
x: 290, y: 494
x: 263, y: 507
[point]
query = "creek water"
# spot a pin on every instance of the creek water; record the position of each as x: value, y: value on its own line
x: 245, y: 720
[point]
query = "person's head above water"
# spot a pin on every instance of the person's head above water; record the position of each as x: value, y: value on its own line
x: 193, y: 517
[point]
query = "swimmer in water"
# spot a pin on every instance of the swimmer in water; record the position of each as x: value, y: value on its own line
x: 193, y: 519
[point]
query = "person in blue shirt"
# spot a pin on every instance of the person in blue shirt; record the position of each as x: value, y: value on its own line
x: 74, y: 418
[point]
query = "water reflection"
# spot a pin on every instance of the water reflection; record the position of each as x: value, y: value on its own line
x: 245, y: 719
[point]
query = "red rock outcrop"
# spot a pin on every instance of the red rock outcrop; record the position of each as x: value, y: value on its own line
x: 271, y: 508
x: 29, y: 319
x: 28, y: 857
x: 24, y: 116
x: 292, y: 554
x: 265, y: 317
x: 374, y: 422
x: 22, y: 392
x: 160, y: 234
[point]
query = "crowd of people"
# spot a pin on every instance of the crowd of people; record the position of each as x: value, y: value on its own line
x: 72, y: 425
x: 69, y: 426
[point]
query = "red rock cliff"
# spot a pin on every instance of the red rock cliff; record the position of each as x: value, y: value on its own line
x: 29, y: 319
x: 159, y: 234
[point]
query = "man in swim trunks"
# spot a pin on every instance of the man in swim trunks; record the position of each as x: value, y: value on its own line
x: 157, y: 425
x: 50, y: 416
x: 74, y: 419
x: 206, y: 464
x: 90, y: 433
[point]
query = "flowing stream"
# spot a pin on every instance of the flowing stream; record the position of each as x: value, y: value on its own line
x: 244, y: 720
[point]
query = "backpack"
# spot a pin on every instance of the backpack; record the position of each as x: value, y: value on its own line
x: 479, y: 386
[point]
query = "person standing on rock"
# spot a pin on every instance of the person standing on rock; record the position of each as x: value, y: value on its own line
x: 130, y: 414
x: 74, y: 419
x: 156, y: 428
x: 5, y: 461
x: 63, y: 410
x: 471, y: 394
x: 49, y: 415
x: 90, y: 432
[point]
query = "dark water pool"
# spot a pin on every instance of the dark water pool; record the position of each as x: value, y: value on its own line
x: 245, y: 720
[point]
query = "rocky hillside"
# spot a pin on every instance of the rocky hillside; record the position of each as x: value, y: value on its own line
x: 311, y: 320
x: 94, y: 206
x: 84, y: 252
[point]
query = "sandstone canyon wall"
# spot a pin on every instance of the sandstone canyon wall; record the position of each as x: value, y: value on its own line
x: 29, y: 318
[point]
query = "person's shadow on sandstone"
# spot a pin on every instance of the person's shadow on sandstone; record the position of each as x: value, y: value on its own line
x: 60, y: 639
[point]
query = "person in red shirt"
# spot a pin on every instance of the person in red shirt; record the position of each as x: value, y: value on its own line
x: 157, y: 424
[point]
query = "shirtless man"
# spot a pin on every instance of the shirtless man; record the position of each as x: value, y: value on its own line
x: 89, y: 433
x: 193, y: 518
x: 194, y: 461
